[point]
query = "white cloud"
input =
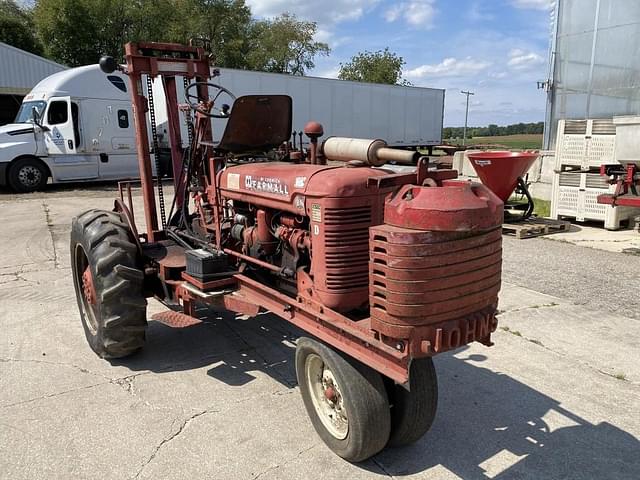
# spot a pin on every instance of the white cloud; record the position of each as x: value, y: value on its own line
x: 331, y: 72
x: 326, y: 13
x: 479, y: 13
x: 521, y: 60
x: 330, y: 37
x: 449, y: 67
x: 416, y: 13
x: 533, y: 4
x: 498, y: 75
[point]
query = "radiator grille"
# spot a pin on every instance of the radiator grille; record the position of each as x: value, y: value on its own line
x: 346, y: 233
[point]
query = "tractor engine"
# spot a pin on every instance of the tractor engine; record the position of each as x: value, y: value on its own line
x: 312, y: 222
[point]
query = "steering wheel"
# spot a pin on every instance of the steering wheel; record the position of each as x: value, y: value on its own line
x: 209, y: 107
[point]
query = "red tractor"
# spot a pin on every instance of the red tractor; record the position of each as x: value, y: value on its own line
x: 383, y: 270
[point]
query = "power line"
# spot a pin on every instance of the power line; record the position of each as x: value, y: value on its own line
x: 466, y: 116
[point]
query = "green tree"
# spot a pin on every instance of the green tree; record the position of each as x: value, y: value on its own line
x: 78, y: 32
x: 225, y: 24
x: 17, y: 29
x: 284, y: 45
x: 382, y: 66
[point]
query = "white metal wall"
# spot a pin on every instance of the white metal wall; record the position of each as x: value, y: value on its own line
x: 596, y: 61
x: 20, y: 70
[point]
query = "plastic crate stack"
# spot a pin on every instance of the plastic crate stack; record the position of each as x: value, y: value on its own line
x: 581, y: 147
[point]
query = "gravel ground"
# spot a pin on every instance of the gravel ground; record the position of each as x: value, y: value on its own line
x: 598, y: 279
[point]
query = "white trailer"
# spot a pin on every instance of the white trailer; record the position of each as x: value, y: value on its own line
x: 403, y: 116
x: 76, y: 125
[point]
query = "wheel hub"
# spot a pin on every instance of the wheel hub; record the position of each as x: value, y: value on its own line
x: 88, y: 289
x: 327, y: 397
x: 330, y: 395
x: 29, y: 175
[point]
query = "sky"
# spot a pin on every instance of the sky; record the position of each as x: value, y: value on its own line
x: 497, y: 49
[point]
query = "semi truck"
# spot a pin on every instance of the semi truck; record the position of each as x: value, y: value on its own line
x: 76, y: 125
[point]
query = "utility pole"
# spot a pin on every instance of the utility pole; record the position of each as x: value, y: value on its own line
x: 466, y: 117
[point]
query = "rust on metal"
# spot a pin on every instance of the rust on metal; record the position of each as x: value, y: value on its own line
x: 88, y: 288
x: 211, y: 285
x: 174, y: 319
x: 152, y: 59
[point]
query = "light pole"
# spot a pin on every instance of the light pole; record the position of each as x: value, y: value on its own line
x: 466, y: 116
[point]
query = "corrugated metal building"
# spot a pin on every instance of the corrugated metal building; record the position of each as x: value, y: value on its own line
x: 19, y: 73
x: 595, y: 61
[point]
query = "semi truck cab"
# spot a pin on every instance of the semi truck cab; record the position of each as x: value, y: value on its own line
x: 75, y: 125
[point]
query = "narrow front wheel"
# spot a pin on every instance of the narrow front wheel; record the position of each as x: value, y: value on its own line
x: 413, y: 410
x: 346, y: 400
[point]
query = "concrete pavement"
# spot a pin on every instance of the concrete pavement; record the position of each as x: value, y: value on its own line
x: 558, y: 396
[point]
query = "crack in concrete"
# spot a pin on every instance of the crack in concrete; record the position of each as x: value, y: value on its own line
x: 52, y: 395
x: 189, y: 419
x: 58, y: 364
x: 567, y: 356
x: 47, y: 217
x: 126, y: 383
x: 381, y: 467
x: 286, y: 462
x: 530, y: 307
x: 17, y: 275
x: 120, y: 382
x: 170, y: 438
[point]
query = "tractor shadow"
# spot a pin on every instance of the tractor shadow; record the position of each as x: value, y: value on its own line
x: 488, y: 424
x: 234, y: 346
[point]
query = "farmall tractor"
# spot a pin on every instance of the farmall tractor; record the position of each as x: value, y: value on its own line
x: 382, y: 270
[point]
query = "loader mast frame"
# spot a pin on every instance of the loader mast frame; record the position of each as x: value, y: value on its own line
x: 166, y: 61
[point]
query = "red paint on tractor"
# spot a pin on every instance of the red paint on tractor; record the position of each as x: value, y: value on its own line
x: 88, y: 288
x: 436, y: 283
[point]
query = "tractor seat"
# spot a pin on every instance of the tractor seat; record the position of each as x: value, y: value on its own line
x: 257, y: 123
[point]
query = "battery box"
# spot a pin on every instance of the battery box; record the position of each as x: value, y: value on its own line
x: 206, y: 265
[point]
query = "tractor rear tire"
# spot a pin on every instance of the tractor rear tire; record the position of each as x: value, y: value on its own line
x: 346, y: 400
x: 413, y: 412
x: 108, y: 283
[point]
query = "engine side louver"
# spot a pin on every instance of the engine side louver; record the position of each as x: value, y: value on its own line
x: 347, y: 247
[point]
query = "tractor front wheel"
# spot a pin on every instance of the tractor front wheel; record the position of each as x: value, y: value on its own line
x: 413, y: 411
x: 108, y: 283
x: 346, y: 400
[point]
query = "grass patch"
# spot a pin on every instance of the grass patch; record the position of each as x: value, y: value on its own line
x: 552, y: 304
x: 512, y: 332
x: 620, y: 376
x: 518, y: 142
x: 537, y: 342
x: 541, y: 208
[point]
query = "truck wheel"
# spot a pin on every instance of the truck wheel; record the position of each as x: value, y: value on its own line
x: 346, y: 401
x: 108, y: 283
x: 412, y: 412
x: 28, y: 175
